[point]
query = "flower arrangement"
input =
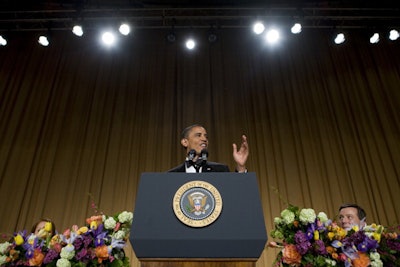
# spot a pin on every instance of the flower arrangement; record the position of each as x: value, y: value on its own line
x: 309, y: 239
x: 99, y: 242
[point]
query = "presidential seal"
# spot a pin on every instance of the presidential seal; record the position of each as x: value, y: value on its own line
x: 197, y: 203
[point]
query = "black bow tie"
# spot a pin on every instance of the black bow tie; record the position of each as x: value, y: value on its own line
x: 196, y: 164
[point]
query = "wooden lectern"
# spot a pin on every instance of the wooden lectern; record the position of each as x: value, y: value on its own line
x: 235, y: 238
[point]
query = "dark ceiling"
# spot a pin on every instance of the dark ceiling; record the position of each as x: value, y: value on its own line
x: 29, y: 15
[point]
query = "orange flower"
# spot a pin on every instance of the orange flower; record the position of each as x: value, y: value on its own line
x: 362, y: 260
x: 296, y: 224
x: 98, y: 219
x: 37, y: 258
x: 291, y: 255
x: 101, y: 253
x: 330, y: 249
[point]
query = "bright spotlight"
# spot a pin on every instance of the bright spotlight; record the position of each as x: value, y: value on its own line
x: 77, y: 30
x: 124, y: 29
x: 340, y: 38
x: 394, y: 35
x: 258, y: 28
x: 3, y: 41
x: 43, y: 40
x: 190, y: 44
x: 272, y: 36
x: 374, y: 38
x: 108, y: 38
x: 296, y: 28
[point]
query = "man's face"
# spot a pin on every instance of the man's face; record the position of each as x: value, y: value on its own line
x: 197, y: 139
x: 348, y: 217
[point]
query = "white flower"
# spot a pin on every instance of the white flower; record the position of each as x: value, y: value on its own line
x: 119, y: 235
x: 330, y: 262
x: 110, y: 223
x: 31, y: 238
x: 63, y: 263
x: 3, y: 259
x: 322, y: 217
x: 287, y: 216
x: 377, y: 263
x: 125, y: 216
x: 277, y: 234
x: 375, y: 256
x: 277, y: 220
x: 307, y: 216
x: 67, y: 252
x: 3, y: 247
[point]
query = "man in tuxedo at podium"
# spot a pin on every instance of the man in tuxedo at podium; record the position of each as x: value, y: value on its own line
x: 195, y: 141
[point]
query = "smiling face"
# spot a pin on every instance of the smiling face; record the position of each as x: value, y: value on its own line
x: 196, y: 139
x: 348, y: 217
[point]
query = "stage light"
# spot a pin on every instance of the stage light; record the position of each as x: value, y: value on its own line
x: 190, y: 44
x: 394, y: 35
x: 3, y: 41
x: 108, y: 38
x: 296, y: 28
x: 77, y: 30
x: 374, y: 38
x: 340, y: 38
x: 124, y: 29
x: 258, y: 27
x: 43, y: 40
x: 272, y: 36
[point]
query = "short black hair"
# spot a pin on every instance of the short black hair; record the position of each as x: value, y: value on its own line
x: 360, y: 211
x: 185, y: 132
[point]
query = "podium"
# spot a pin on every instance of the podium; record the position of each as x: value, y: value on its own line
x: 232, y: 234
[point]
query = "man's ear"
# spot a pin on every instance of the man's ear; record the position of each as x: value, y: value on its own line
x: 184, y: 142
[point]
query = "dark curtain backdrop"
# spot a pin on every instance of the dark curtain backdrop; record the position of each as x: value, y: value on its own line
x: 77, y: 119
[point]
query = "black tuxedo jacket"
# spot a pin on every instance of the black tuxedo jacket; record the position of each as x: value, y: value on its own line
x: 208, y: 167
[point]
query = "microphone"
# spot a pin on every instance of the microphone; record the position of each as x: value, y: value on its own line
x: 201, y: 161
x: 204, y: 155
x: 191, y: 154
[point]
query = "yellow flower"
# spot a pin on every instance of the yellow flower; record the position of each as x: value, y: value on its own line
x: 19, y: 240
x: 355, y: 228
x: 377, y: 237
x: 48, y: 227
x: 341, y: 232
x: 316, y: 235
x: 82, y: 230
x: 331, y: 235
x: 93, y: 225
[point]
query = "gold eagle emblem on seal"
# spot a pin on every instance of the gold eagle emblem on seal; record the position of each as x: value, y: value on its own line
x: 197, y: 203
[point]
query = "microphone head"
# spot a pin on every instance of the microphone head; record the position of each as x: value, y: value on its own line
x: 204, y: 154
x: 191, y: 154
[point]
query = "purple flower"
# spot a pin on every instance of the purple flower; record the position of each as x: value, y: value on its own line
x: 393, y: 244
x: 78, y: 243
x: 83, y: 255
x: 29, y: 253
x: 320, y: 248
x: 51, y: 255
x: 87, y: 240
x: 300, y: 237
x: 302, y: 243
